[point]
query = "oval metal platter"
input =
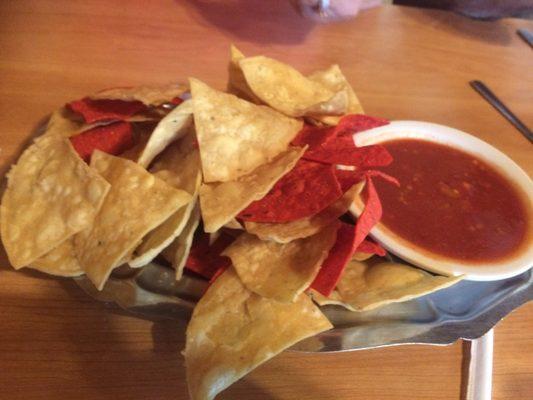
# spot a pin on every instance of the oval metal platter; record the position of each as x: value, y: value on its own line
x: 466, y: 310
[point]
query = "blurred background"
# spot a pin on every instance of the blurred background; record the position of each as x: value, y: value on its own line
x: 329, y: 10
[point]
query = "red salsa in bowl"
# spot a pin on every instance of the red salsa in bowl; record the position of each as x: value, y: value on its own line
x: 451, y: 203
x: 463, y: 207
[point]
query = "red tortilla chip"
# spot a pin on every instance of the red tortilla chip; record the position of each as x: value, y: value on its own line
x: 370, y: 247
x: 335, y: 145
x: 375, y: 173
x: 348, y: 178
x: 105, y: 110
x: 370, y: 215
x: 112, y: 139
x: 354, y: 123
x: 342, y: 150
x: 206, y: 260
x: 372, y: 211
x: 176, y: 101
x: 351, y: 238
x: 339, y: 255
x: 306, y: 190
x: 313, y: 136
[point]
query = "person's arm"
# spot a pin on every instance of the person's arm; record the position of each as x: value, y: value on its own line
x: 331, y: 10
x: 484, y: 9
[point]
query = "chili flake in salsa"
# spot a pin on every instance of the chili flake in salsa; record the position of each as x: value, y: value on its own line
x: 451, y: 203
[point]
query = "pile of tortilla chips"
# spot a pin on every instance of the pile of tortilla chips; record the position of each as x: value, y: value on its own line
x: 248, y: 189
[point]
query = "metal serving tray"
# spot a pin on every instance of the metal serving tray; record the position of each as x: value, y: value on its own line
x: 466, y: 310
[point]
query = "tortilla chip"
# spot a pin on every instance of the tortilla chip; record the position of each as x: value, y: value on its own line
x: 338, y: 257
x: 342, y: 151
x: 179, y: 163
x: 334, y: 299
x: 236, y: 136
x: 314, y: 136
x: 205, y: 256
x: 301, y: 228
x: 113, y: 138
x: 179, y: 166
x: 105, y: 109
x: 361, y: 256
x: 232, y: 331
x: 306, y: 190
x: 162, y: 236
x: 370, y: 247
x: 178, y: 251
x: 51, y: 195
x: 141, y: 133
x: 366, y: 287
x: 288, y: 91
x: 335, y: 145
x: 221, y: 202
x: 63, y: 122
x: 280, y: 271
x: 371, y: 214
x: 172, y: 127
x: 354, y: 123
x: 149, y: 95
x: 236, y: 81
x: 61, y: 261
x: 233, y: 224
x: 348, y: 178
x: 334, y: 79
x: 145, y: 201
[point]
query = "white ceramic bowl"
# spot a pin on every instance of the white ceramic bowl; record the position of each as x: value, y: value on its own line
x: 486, y: 271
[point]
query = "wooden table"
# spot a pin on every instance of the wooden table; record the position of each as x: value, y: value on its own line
x: 55, y: 342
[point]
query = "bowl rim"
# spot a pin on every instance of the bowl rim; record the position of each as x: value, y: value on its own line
x: 486, y: 271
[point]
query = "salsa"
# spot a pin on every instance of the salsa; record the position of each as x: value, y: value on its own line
x: 451, y: 203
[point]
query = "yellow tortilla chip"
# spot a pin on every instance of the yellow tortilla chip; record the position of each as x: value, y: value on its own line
x: 334, y: 299
x: 233, y: 224
x: 221, y: 202
x: 149, y: 95
x: 280, y: 271
x: 288, y: 91
x: 236, y: 136
x: 334, y: 79
x: 367, y: 286
x: 61, y: 261
x: 144, y: 202
x: 360, y: 256
x: 178, y: 251
x: 236, y: 81
x: 172, y: 127
x: 51, y: 195
x: 162, y: 236
x: 301, y: 228
x: 63, y: 122
x: 180, y: 169
x: 233, y: 330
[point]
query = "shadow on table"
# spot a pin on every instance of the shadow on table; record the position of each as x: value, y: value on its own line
x: 72, y: 346
x: 258, y: 21
x: 494, y: 32
x: 158, y: 365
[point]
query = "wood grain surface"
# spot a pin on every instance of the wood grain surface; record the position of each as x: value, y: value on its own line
x: 57, y: 343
